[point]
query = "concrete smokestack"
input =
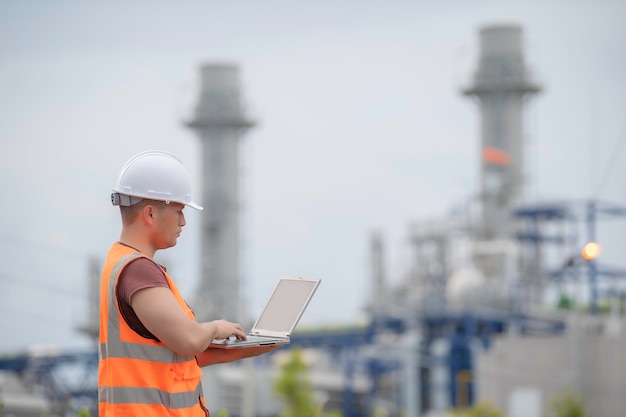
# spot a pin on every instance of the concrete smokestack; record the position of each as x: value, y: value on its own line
x: 219, y: 122
x: 501, y: 84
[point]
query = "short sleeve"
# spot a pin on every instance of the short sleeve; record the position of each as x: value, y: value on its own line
x: 139, y: 274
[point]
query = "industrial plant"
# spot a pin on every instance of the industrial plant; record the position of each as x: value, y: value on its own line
x: 482, y: 315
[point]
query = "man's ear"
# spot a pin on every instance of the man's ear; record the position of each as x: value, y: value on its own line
x: 148, y: 212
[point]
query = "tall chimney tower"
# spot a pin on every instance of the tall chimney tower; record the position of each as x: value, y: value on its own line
x: 501, y: 85
x: 219, y: 122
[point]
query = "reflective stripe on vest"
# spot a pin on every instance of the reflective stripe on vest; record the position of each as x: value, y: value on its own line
x: 135, y: 371
x: 129, y: 395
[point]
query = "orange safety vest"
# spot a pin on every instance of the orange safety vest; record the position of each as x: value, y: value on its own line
x: 139, y: 376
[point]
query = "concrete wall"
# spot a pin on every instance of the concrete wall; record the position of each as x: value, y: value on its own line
x: 523, y: 374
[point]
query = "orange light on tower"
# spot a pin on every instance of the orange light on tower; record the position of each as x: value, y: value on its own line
x: 496, y: 156
x: 590, y: 251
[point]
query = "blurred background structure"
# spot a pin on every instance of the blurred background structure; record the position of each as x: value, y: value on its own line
x: 508, y: 291
x: 219, y: 122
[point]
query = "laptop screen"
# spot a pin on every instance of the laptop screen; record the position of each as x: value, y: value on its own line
x: 288, y: 301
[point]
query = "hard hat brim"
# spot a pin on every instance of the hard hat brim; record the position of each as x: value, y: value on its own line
x: 194, y: 206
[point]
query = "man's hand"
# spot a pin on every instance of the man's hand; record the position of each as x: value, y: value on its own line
x: 223, y: 329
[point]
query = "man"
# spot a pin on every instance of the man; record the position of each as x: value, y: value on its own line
x: 151, y: 347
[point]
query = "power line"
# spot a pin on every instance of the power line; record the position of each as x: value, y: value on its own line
x: 33, y: 284
x: 32, y: 316
x: 41, y: 246
x: 618, y: 147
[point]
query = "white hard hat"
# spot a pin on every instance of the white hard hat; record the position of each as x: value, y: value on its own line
x: 156, y: 175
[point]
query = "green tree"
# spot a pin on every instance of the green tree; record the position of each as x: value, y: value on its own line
x: 294, y: 388
x: 567, y: 405
x: 565, y: 303
x: 84, y: 412
x: 480, y: 409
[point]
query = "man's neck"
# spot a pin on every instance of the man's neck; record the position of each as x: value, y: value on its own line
x: 141, y: 245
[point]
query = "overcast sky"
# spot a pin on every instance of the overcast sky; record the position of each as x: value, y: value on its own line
x: 361, y: 127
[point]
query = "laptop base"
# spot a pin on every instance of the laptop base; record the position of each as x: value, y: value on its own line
x: 251, y: 341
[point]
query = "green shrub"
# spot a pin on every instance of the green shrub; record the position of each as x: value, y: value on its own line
x: 567, y: 405
x: 295, y: 390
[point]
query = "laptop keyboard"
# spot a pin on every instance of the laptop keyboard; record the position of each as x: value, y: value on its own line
x: 253, y: 339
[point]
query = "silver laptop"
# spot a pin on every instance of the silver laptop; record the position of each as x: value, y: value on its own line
x: 279, y: 317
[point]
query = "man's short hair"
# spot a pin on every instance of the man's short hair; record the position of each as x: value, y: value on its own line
x: 129, y: 213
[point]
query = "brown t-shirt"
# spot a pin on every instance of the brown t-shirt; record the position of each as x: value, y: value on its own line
x: 139, y: 274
